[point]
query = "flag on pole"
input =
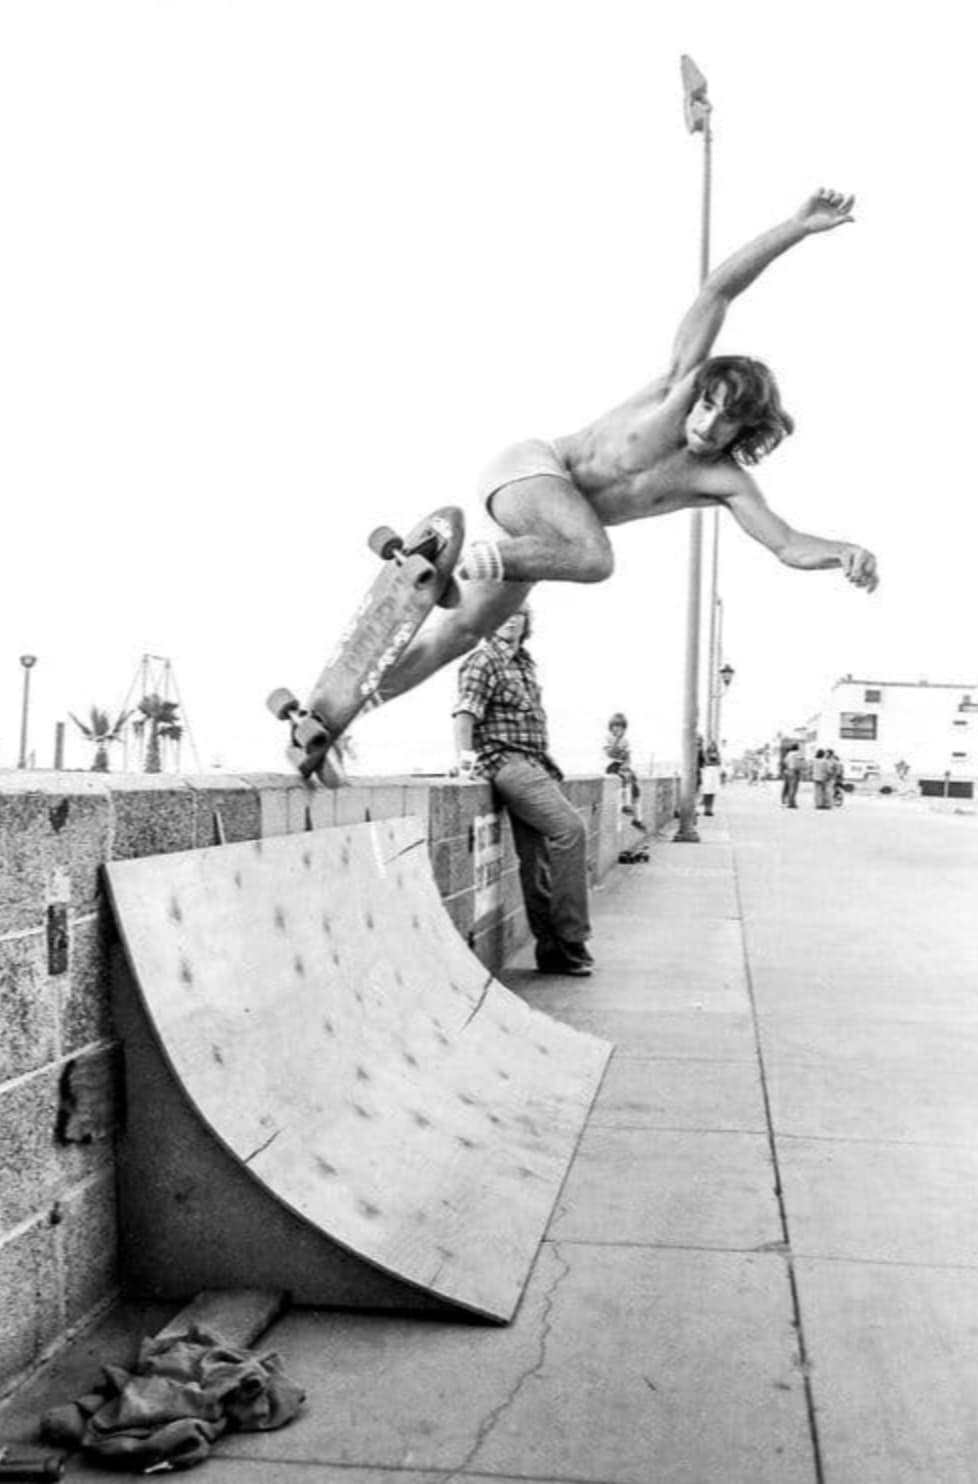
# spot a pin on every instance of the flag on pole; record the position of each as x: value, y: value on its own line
x: 696, y: 104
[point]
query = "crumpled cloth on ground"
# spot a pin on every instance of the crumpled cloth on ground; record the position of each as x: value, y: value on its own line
x: 167, y: 1411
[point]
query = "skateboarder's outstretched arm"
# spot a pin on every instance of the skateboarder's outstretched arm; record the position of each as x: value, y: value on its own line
x: 796, y: 548
x: 703, y: 320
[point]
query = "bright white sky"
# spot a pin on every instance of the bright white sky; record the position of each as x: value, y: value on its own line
x: 277, y: 272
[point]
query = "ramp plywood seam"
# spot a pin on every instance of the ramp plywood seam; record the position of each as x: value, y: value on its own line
x: 262, y: 1147
x: 481, y: 1001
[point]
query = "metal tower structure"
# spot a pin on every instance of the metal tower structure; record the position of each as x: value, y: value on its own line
x: 155, y: 676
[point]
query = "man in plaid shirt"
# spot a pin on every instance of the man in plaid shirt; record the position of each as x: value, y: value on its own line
x: 501, y: 735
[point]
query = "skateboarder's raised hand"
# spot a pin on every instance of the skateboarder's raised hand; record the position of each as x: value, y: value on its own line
x: 825, y: 210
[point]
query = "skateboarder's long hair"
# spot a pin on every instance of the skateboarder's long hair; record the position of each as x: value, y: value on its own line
x: 753, y: 400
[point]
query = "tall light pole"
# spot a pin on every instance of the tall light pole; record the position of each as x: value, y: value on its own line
x: 28, y: 661
x: 715, y: 648
x: 697, y: 110
x: 715, y: 689
x: 724, y: 676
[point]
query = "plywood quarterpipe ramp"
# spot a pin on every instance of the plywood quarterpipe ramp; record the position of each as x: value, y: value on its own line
x: 326, y: 1091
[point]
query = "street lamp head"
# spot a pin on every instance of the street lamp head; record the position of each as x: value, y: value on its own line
x: 696, y: 104
x: 28, y: 660
x: 727, y: 673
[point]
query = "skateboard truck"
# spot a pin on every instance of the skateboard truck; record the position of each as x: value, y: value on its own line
x: 385, y: 543
x: 312, y: 741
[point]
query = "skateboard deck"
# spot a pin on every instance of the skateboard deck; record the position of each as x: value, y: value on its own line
x: 415, y: 576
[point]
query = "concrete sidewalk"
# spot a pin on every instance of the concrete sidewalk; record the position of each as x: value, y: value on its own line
x: 763, y: 1266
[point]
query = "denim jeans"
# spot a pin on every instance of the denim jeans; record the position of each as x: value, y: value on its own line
x: 551, y: 842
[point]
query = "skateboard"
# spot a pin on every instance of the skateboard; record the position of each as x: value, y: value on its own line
x: 416, y: 575
x: 636, y: 848
x: 635, y: 845
x: 636, y: 835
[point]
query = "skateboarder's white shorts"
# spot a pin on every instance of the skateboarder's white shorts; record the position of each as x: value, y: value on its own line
x: 525, y: 460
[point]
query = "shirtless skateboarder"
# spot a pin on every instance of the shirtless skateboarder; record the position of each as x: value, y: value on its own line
x: 687, y: 439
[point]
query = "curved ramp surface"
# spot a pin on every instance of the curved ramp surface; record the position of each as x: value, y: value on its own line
x: 333, y: 1033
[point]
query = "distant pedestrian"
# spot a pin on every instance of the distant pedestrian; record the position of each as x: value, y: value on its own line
x: 821, y: 767
x: 710, y: 777
x: 791, y: 776
x: 837, y: 775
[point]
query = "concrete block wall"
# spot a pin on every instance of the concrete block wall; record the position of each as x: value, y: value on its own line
x: 60, y: 1074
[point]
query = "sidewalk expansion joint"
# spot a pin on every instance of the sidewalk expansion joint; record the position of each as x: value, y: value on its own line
x: 778, y: 1248
x: 802, y: 1360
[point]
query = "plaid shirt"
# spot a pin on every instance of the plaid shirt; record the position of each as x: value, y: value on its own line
x: 501, y: 692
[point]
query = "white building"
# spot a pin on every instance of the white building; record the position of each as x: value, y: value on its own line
x: 881, y: 725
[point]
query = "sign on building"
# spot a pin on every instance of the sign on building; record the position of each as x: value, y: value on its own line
x: 860, y: 725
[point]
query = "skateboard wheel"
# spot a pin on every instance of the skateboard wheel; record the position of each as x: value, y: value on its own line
x: 385, y: 542
x: 282, y: 703
x: 310, y: 734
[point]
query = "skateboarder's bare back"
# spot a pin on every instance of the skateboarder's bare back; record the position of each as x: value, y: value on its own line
x: 684, y: 440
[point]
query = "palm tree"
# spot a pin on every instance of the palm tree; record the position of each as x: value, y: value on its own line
x: 100, y: 731
x: 164, y: 726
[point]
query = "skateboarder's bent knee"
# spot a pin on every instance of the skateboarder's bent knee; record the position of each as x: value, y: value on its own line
x: 593, y: 561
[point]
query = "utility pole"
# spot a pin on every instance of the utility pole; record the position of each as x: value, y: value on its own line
x: 697, y: 110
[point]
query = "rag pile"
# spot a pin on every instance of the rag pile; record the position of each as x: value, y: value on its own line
x: 166, y: 1412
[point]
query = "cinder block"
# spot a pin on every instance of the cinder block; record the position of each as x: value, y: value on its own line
x: 89, y: 1246
x: 31, y: 1314
x: 35, y: 1169
x: 474, y: 800
x: 417, y: 803
x: 274, y: 791
x: 452, y: 864
x: 459, y: 909
x: 86, y: 1014
x: 152, y: 814
x: 489, y: 943
x: 50, y: 824
x: 453, y: 806
x: 320, y: 811
x: 299, y: 797
x: 223, y: 807
x: 352, y: 804
x: 28, y: 1006
x: 385, y: 801
x: 515, y: 931
x: 497, y: 937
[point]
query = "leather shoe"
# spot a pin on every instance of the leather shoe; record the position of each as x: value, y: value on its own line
x: 552, y: 959
x: 578, y: 951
